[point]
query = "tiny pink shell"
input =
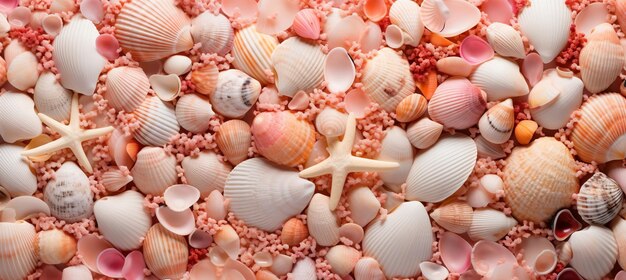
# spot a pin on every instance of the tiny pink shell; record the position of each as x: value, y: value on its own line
x: 107, y: 46
x: 356, y: 101
x: 134, y: 265
x: 246, y: 9
x: 299, y: 102
x: 339, y: 70
x: 275, y: 15
x: 371, y: 37
x: 455, y: 252
x: 487, y: 255
x: 475, y: 50
x: 89, y: 247
x: 180, y: 197
x: 532, y: 68
x: 591, y: 16
x: 6, y: 6
x: 375, y: 10
x: 20, y: 16
x: 498, y: 10
x: 306, y: 24
x: 181, y: 223
x: 110, y: 263
x: 92, y: 10
x: 352, y: 232
x: 52, y: 24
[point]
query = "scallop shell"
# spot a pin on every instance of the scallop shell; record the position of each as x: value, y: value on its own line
x: 496, y: 125
x: 293, y: 232
x: 18, y: 119
x: 17, y: 254
x: 235, y: 93
x: 396, y: 147
x: 193, y: 113
x: 331, y: 123
x: 411, y: 108
x: 282, y: 138
x: 51, y: 98
x: 305, y: 269
x: 457, y: 103
x: 440, y: 171
x: 122, y: 219
x: 601, y: 59
x: 76, y: 57
x: 555, y: 98
x: 214, y: 32
x: 298, y: 65
x: 505, y: 40
x: 490, y: 224
x: 546, y: 24
x: 449, y: 18
x: 15, y: 174
x: 69, y: 194
x: 306, y: 24
x: 165, y: 253
x: 342, y: 259
x: 154, y: 170
x: 256, y: 186
x: 157, y: 122
x: 455, y: 216
x: 539, y: 180
x: 424, y: 133
x: 323, y: 224
x: 54, y: 246
x: 594, y: 252
x: 401, y: 241
x: 22, y: 72
x: 127, y: 87
x: 599, y: 200
x: 406, y: 15
x: 387, y: 80
x: 618, y: 225
x: 206, y: 172
x: 172, y: 36
x: 116, y: 179
x: 363, y: 205
x: 500, y: 79
x: 454, y: 66
x: 234, y: 138
x: 205, y: 79
x: 252, y: 53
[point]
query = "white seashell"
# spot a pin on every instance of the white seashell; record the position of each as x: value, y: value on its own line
x: 235, y: 94
x: 77, y: 272
x: 26, y: 207
x: 387, y: 79
x: 492, y: 183
x: 17, y: 254
x: 214, y: 32
x: 252, y: 53
x: 256, y: 186
x: 51, y: 99
x: 54, y: 246
x: 18, y: 119
x: 180, y: 197
x: 22, y: 72
x: 396, y: 148
x: 298, y: 65
x: 331, y: 123
x: 546, y: 24
x: 15, y: 174
x: 505, y: 40
x: 599, y: 199
x: 406, y: 15
x: 14, y: 49
x: 490, y: 224
x: 487, y: 149
x: 166, y: 254
x: 304, y: 269
x: 496, y: 125
x: 441, y: 170
x: 395, y: 37
x: 433, y: 271
x: 177, y: 64
x: 114, y: 180
x: 281, y: 265
x: 228, y: 240
x: 322, y: 223
x: 166, y: 87
x: 154, y: 170
x: 500, y: 79
x: 342, y: 259
x: 76, y: 57
x: 424, y: 133
x: 401, y: 241
x: 368, y: 269
x: 200, y: 239
x: 339, y: 71
x: 193, y: 113
x: 553, y: 112
x: 52, y: 24
x: 363, y: 205
x: 127, y: 87
x: 157, y: 122
x: 122, y: 219
x: 478, y: 197
x: 539, y: 254
x: 594, y: 252
x: 180, y: 223
x: 69, y: 194
x: 206, y: 172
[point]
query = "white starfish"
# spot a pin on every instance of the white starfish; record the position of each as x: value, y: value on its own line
x: 341, y: 162
x: 72, y: 136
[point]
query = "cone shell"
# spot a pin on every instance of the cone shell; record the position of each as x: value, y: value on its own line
x: 594, y: 252
x: 127, y: 87
x: 455, y: 216
x: 506, y: 41
x: 322, y: 223
x: 298, y: 65
x: 618, y: 226
x: 17, y: 254
x: 69, y: 194
x: 206, y: 172
x: 555, y: 98
x: 406, y: 15
x: 306, y: 24
x: 387, y: 80
x: 424, y: 133
x: 55, y: 246
x: 363, y: 205
x: 122, y: 219
x: 18, y: 119
x: 51, y: 98
x: 457, y: 103
x: 22, y: 72
x: 282, y: 138
x: 489, y: 224
x: 496, y: 125
x: 602, y: 58
x: 165, y: 253
x: 15, y: 174
x: 539, y: 180
x: 454, y: 66
x: 396, y: 147
x: 546, y: 24
x: 500, y: 79
x: 342, y: 259
x: 205, y: 79
x: 599, y: 200
x: 214, y: 32
x: 157, y: 122
x: 440, y: 171
x: 252, y: 53
x: 193, y: 113
x: 411, y: 108
x: 154, y: 170
x: 293, y: 232
x: 172, y: 36
x: 233, y: 138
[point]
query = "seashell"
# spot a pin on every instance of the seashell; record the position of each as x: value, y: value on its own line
x: 478, y: 197
x: 235, y: 93
x: 193, y: 113
x: 339, y: 71
x: 532, y: 68
x: 500, y: 79
x: 253, y: 194
x: 123, y: 148
x: 36, y: 142
x: 306, y: 24
x: 166, y: 87
x: 263, y: 259
x: 457, y: 103
x: 424, y: 133
x: 26, y: 207
x: 427, y: 182
x: 252, y: 53
x: 69, y: 194
x: 488, y: 255
x: 127, y: 87
x: 363, y: 205
x: 322, y: 222
x: 282, y: 264
x: 400, y: 243
x: 433, y: 271
x: 234, y: 138
x: 245, y: 9
x: 599, y: 134
x: 449, y: 18
x: 375, y: 10
x: 165, y: 253
x: 455, y: 216
x: 122, y: 219
x: 454, y: 66
x: 591, y: 16
x: 157, y: 122
x: 298, y: 65
x: 475, y: 50
x: 180, y: 197
x: 304, y: 269
x: 216, y: 206
x: 77, y: 272
x: 5, y: 197
x: 12, y: 50
x: 395, y: 37
x: 108, y: 46
x: 114, y: 180
x: 428, y: 86
x: 490, y: 224
x: 492, y: 183
x: 546, y: 24
x: 533, y: 170
x: 601, y: 59
x: 455, y: 252
x: 539, y: 254
x: 331, y: 123
x: 89, y: 247
x: 564, y: 224
x: 342, y: 259
x: 505, y: 40
x: 174, y: 36
x: 351, y: 233
x: 496, y: 125
x: 18, y: 119
x: 154, y: 170
x: 344, y: 31
x: 92, y: 10
x: 487, y: 149
x: 17, y: 256
x: 180, y: 223
x: 275, y: 16
x: 387, y: 80
x: 368, y: 269
x: 20, y: 16
x: 411, y: 108
x: 594, y: 252
x: 356, y: 101
x: 214, y: 32
x: 616, y: 171
x: 206, y: 172
x: 497, y: 10
x: 282, y: 138
x: 618, y: 226
x: 177, y: 64
x: 599, y: 200
x: 22, y: 73
x: 205, y: 79
x: 110, y: 263
x: 7, y: 6
x: 51, y: 98
x: 396, y: 148
x: 200, y: 239
x: 228, y: 241
x: 54, y: 246
x: 525, y: 130
x: 299, y: 102
x: 406, y: 15
x: 620, y: 12
x: 134, y: 266
x: 293, y: 232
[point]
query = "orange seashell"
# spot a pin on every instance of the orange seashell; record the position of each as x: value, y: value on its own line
x: 165, y: 253
x: 293, y: 232
x: 440, y: 41
x: 525, y: 130
x: 375, y: 10
x: 282, y: 138
x: 457, y: 103
x: 252, y: 52
x: 306, y: 24
x: 411, y: 108
x: 54, y: 246
x: 602, y: 59
x: 233, y: 139
x: 428, y: 86
x: 127, y: 87
x: 205, y: 79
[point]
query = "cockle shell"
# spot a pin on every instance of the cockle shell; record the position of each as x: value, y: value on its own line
x: 234, y: 138
x: 455, y: 216
x: 331, y: 123
x: 205, y: 78
x: 306, y: 24
x: 546, y: 24
x: 256, y: 185
x: 51, y: 98
x: 193, y: 113
x: 618, y: 226
x: 555, y: 97
x: 601, y: 60
x: 455, y: 252
x: 17, y: 254
x: 18, y: 119
x: 115, y: 179
x: 363, y: 205
x: 122, y: 219
x: 293, y: 232
x: 411, y: 108
x: 500, y: 79
x: 454, y: 66
x: 206, y: 172
x: 449, y: 18
x: 539, y: 180
x: 496, y: 125
x: 475, y: 50
x: 490, y: 224
x: 424, y: 133
x: 165, y: 253
x: 157, y: 122
x: 54, y: 246
x: 505, y: 40
x: 387, y: 80
x: 235, y: 93
x: 15, y: 174
x: 594, y: 252
x: 322, y: 222
x: 22, y: 72
x: 298, y: 65
x: 406, y: 15
x: 172, y: 36
x: 591, y: 16
x: 282, y: 138
x: 457, y: 103
x: 441, y: 170
x: 127, y: 87
x: 214, y: 32
x: 154, y: 170
x: 69, y: 194
x: 396, y: 148
x: 599, y: 200
x: 342, y: 259
x: 368, y: 269
x: 401, y: 241
x: 252, y: 53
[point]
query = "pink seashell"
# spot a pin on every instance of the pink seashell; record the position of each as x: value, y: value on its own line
x: 457, y: 103
x: 306, y: 24
x: 569, y: 274
x: 339, y: 71
x: 375, y: 10
x: 342, y: 259
x: 90, y: 247
x: 498, y: 10
x: 356, y: 101
x: 107, y: 46
x: 591, y: 16
x: 110, y: 263
x: 126, y: 87
x: 487, y: 255
x: 475, y: 50
x: 394, y: 36
x: 352, y: 232
x: 299, y: 102
x: 449, y: 18
x: 200, y: 239
x: 92, y: 10
x: 276, y: 15
x: 20, y: 17
x: 282, y: 138
x: 180, y: 197
x: 455, y: 252
x: 532, y: 68
x: 52, y: 24
x: 246, y: 9
x: 346, y: 31
x: 371, y: 37
x: 6, y: 6
x: 180, y: 223
x: 134, y: 265
x: 565, y: 224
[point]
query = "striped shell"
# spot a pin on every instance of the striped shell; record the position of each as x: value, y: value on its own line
x: 157, y: 122
x: 214, y: 32
x: 411, y: 108
x: 602, y: 58
x: 387, y: 79
x: 323, y: 223
x: 424, y: 133
x: 496, y: 125
x: 115, y: 179
x: 18, y: 119
x: 235, y: 93
x: 457, y: 103
x: 15, y: 174
x: 298, y: 65
x: 193, y: 113
x: 17, y: 253
x: 51, y: 98
x: 54, y: 246
x: 594, y: 252
x: 455, y: 216
x: 154, y: 170
x: 122, y: 219
x: 599, y: 200
x: 252, y: 53
x: 205, y: 79
x: 293, y: 232
x: 282, y: 138
x: 505, y: 40
x: 306, y: 24
x: 127, y: 87
x: 165, y: 253
x: 489, y: 224
x: 206, y: 172
x: 69, y: 194
x: 234, y: 138
x: 406, y: 15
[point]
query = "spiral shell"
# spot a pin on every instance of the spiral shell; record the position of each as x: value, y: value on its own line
x: 599, y: 199
x: 165, y: 253
x: 331, y: 123
x: 387, y: 79
x: 455, y: 216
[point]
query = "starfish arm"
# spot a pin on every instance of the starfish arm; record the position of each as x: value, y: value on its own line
x: 339, y: 179
x: 53, y: 124
x: 53, y: 146
x: 74, y: 113
x: 350, y: 134
x: 96, y: 132
x: 358, y: 164
x: 319, y: 169
x: 79, y: 152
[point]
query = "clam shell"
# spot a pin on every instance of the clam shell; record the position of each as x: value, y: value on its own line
x: 449, y: 18
x: 539, y: 254
x: 123, y: 148
x: 457, y: 103
x: 166, y: 87
x: 306, y: 24
x: 387, y: 80
x: 396, y: 148
x: 234, y: 138
x: 127, y: 87
x: 116, y: 179
x: 599, y: 200
x: 18, y: 119
x: 22, y: 72
x: 293, y: 232
x: 339, y: 70
x: 122, y: 219
x: 298, y: 65
x: 351, y: 234
x: 368, y: 269
x: 489, y: 224
x: 12, y: 50
x: 342, y: 259
x: 532, y: 68
x: 256, y: 186
x: 177, y: 64
x: 322, y: 222
x: 618, y: 225
x: 525, y: 130
x: 500, y: 79
x: 17, y: 254
x: 69, y: 194
x: 601, y: 60
x: 77, y: 272
x: 154, y: 170
x: 441, y: 170
x: 424, y: 133
x: 475, y: 50
x: 276, y: 16
x: 252, y: 53
x: 235, y: 93
x: 180, y: 197
x: 15, y: 174
x: 363, y: 205
x: 51, y: 98
x: 594, y: 252
x: 411, y: 108
x: 546, y: 24
x: 304, y: 269
x: 54, y: 246
x: 406, y: 15
x: 505, y: 40
x: 157, y: 122
x: 281, y: 265
x: 165, y: 253
x: 228, y: 241
x: 455, y: 252
x: 454, y: 66
x: 496, y: 125
x: 172, y: 36
x: 455, y: 216
x: 539, y: 180
x: 206, y: 172
x: 282, y: 138
x: 214, y: 32
x: 180, y: 223
x: 193, y: 113
x: 205, y: 79
x: 553, y: 112
x: 331, y: 123
x: 200, y: 239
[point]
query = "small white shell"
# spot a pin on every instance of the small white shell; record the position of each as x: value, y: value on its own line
x: 553, y: 112
x: 322, y: 223
x: 177, y: 64
x: 206, y: 172
x: 77, y: 272
x: 18, y: 119
x: 424, y: 133
x: 235, y: 94
x: 331, y: 123
x: 51, y: 98
x: 363, y: 205
x: 505, y: 40
x: 396, y: 148
x: 193, y: 113
x: 490, y: 224
x: 368, y: 269
x: 157, y: 122
x: 496, y: 125
x: 594, y: 252
x: 15, y: 174
x: 122, y: 219
x: 304, y: 269
x: 26, y: 207
x: 154, y: 170
x: 433, y: 271
x: 69, y: 194
x: 539, y: 254
x: 22, y: 72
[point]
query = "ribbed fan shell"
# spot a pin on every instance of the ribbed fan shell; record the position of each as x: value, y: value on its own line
x: 594, y: 252
x: 368, y: 268
x: 234, y: 138
x: 305, y: 269
x: 500, y: 79
x: 17, y: 253
x: 424, y: 133
x: 15, y: 174
x: 602, y: 58
x: 69, y: 194
x: 505, y: 40
x: 252, y: 52
x: 489, y: 224
x: 18, y: 119
x: 363, y: 205
x: 214, y: 32
x: 411, y: 108
x: 157, y: 122
x: 599, y: 200
x: 114, y: 180
x: 546, y: 24
x: 205, y: 79
x: 282, y: 138
x: 165, y: 253
x: 298, y: 65
x: 51, y: 98
x: 406, y: 15
x: 323, y: 224
x: 457, y: 103
x: 122, y: 219
x: 154, y: 170
x: 387, y: 79
x: 55, y: 246
x: 193, y: 113
x: 206, y: 172
x: 127, y: 87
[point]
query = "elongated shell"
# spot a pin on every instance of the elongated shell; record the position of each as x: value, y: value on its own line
x: 22, y: 72
x: 396, y: 148
x: 496, y: 125
x: 172, y: 36
x: 599, y: 199
x: 154, y: 170
x: 411, y: 108
x: 235, y: 94
x: 322, y: 222
x: 234, y: 138
x: 298, y: 65
x: 214, y: 32
x: 441, y: 170
x: 387, y: 80
x: 602, y: 58
x: 454, y: 66
x: 18, y: 119
x: 193, y: 113
x: 15, y: 174
x: 554, y: 112
x: 546, y: 24
x: 205, y: 79
x: 424, y: 133
x: 505, y: 40
x: 157, y: 122
x: 165, y: 253
x: 54, y: 246
x: 51, y: 98
x: 252, y: 52
x: 401, y: 241
x: 122, y: 219
x: 256, y: 186
x: 455, y: 216
x: 500, y: 79
x: 594, y: 252
x: 17, y: 253
x: 206, y: 172
x: 490, y: 224
x: 457, y: 103
x: 539, y: 180
x: 69, y: 194
x: 127, y: 87
x: 406, y: 15
x: 282, y: 138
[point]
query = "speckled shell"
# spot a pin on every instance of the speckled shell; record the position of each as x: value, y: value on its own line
x: 489, y: 224
x: 205, y: 79
x: 15, y: 174
x: 51, y: 98
x: 17, y: 253
x: 234, y: 138
x: 363, y: 205
x: 594, y: 252
x: 539, y: 180
x: 424, y: 133
x: 457, y: 103
x: 602, y: 58
x: 157, y: 122
x: 411, y: 108
x: 252, y: 52
x: 154, y: 170
x: 193, y: 113
x: 206, y: 172
x: 496, y: 125
x: 235, y: 93
x: 546, y: 24
x: 122, y: 219
x: 127, y: 87
x: 406, y: 15
x: 298, y: 65
x: 599, y: 200
x: 455, y: 216
x: 323, y: 224
x: 282, y: 138
x: 214, y: 32
x: 69, y: 194
x: 18, y: 119
x: 505, y: 40
x: 387, y: 79
x: 55, y: 246
x: 553, y: 112
x: 500, y: 78
x: 165, y: 253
